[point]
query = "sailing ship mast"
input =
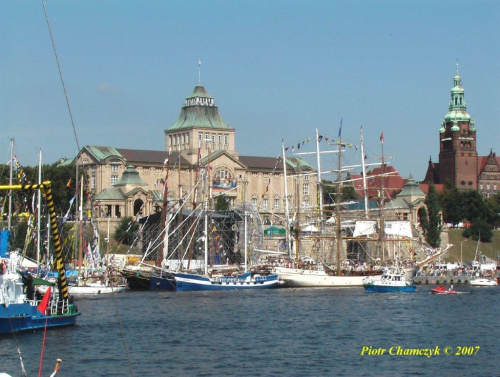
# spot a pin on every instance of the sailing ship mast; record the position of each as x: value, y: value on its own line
x: 382, y: 220
x: 339, y: 194
x: 9, y: 217
x: 319, y: 185
x: 365, y: 188
x: 39, y: 213
x: 287, y: 209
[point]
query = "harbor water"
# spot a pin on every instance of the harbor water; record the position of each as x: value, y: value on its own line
x: 277, y: 332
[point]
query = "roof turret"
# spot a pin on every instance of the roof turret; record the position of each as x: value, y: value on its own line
x: 457, y: 109
x: 199, y: 111
x: 130, y: 177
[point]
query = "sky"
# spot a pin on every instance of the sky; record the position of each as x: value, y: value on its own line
x: 278, y: 71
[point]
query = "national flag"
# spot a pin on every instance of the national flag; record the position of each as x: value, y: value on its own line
x: 319, y: 138
x: 42, y: 307
x: 382, y: 139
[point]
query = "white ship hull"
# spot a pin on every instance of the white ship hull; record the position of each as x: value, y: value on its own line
x: 294, y: 277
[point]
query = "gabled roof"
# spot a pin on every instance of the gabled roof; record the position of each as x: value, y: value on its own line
x: 374, y: 182
x: 134, y: 156
x: 482, y: 160
x: 216, y: 154
x: 102, y: 153
x: 272, y: 163
x: 110, y: 194
x: 425, y: 187
x: 134, y: 191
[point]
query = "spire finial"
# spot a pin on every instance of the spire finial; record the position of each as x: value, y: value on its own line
x: 457, y: 67
x: 199, y: 71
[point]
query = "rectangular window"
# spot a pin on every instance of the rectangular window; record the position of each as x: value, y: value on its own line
x: 200, y: 137
x: 254, y: 202
x: 213, y: 138
x: 220, y: 138
x: 114, y: 179
x: 265, y: 203
x: 226, y: 139
x: 306, y: 177
x: 187, y: 138
x: 207, y: 138
x: 114, y: 167
x: 276, y: 203
x: 93, y: 182
x: 305, y: 189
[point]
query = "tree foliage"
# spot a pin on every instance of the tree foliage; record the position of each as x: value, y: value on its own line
x: 221, y: 203
x: 126, y: 231
x: 433, y: 231
x: 58, y: 175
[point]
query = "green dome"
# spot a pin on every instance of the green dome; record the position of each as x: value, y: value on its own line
x: 459, y: 115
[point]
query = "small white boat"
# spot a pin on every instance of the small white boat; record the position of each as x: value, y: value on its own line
x: 95, y: 289
x: 483, y: 282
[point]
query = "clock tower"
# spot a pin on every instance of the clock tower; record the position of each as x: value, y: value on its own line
x: 458, y: 159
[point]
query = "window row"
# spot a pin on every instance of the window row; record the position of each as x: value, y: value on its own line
x: 178, y: 139
x: 213, y: 138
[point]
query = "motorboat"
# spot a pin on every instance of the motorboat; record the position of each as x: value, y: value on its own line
x: 441, y: 290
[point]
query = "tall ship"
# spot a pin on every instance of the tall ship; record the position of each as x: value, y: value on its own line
x: 349, y: 245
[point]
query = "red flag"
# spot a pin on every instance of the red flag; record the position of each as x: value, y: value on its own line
x: 42, y: 306
x: 382, y: 137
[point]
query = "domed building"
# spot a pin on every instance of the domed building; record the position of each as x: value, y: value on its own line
x: 199, y: 146
x: 459, y: 162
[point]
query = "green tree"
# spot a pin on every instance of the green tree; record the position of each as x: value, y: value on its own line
x: 473, y: 205
x: 221, y: 203
x: 63, y: 185
x: 126, y: 231
x: 451, y: 204
x: 493, y: 210
x: 423, y: 219
x: 433, y: 231
x: 479, y: 229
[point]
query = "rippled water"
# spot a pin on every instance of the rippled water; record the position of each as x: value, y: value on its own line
x: 280, y: 332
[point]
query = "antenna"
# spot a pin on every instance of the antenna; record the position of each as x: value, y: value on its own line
x: 199, y: 71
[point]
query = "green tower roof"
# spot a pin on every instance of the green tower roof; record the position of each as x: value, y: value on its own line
x: 199, y: 111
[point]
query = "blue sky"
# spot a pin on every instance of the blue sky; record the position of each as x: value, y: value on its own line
x: 277, y: 69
